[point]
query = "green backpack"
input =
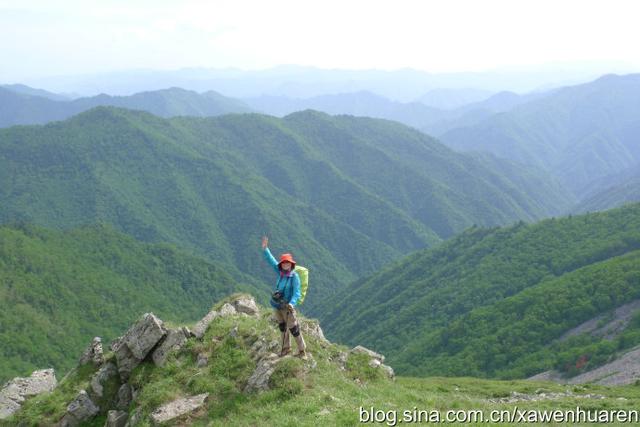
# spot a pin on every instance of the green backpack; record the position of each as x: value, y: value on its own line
x: 303, y: 273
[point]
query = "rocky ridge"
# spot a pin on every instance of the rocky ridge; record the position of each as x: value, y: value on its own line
x: 110, y: 394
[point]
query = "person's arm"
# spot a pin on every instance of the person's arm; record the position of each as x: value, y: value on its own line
x: 296, y: 290
x: 267, y: 255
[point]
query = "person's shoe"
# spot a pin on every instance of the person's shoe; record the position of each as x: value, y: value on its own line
x: 284, y: 352
x: 302, y: 355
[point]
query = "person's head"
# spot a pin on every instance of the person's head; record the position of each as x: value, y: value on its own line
x: 286, y: 262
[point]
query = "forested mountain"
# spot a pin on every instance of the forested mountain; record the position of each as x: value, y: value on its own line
x: 345, y: 195
x: 449, y: 99
x: 431, y: 120
x: 474, y: 113
x: 494, y: 302
x: 27, y: 107
x: 26, y: 90
x: 611, y: 191
x: 580, y: 133
x: 361, y: 103
x: 60, y: 289
x: 612, y: 197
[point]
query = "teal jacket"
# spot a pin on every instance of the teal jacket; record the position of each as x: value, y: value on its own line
x: 288, y: 283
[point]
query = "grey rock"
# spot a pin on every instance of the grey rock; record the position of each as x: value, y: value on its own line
x: 246, y: 305
x: 312, y: 328
x: 203, y: 360
x: 135, y: 418
x: 342, y: 360
x: 7, y: 407
x: 201, y: 327
x: 18, y: 389
x: 259, y: 379
x: 374, y: 363
x: 388, y: 370
x: 82, y: 409
x: 177, y: 408
x: 125, y: 397
x: 100, y: 378
x: 144, y: 335
x: 93, y: 353
x: 139, y: 340
x: 227, y: 310
x: 116, y: 419
x: 187, y: 332
x: 363, y: 350
x: 126, y: 361
x: 234, y: 332
x: 174, y: 341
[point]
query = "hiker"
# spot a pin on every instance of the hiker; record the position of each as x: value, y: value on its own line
x: 284, y: 299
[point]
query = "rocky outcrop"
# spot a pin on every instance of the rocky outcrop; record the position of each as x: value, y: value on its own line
x: 177, y: 408
x: 363, y: 350
x: 106, y: 373
x: 227, y: 310
x: 259, y: 380
x: 124, y: 398
x: 312, y: 328
x: 116, y: 419
x: 375, y: 361
x: 106, y: 377
x: 93, y: 353
x: 82, y: 409
x: 246, y: 305
x: 174, y: 341
x: 18, y: 389
x: 139, y: 340
x: 201, y: 327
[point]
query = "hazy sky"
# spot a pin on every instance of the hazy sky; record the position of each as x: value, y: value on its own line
x: 42, y: 38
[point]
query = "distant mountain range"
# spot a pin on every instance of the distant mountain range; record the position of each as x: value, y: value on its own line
x: 306, y: 82
x: 496, y: 302
x: 26, y: 90
x: 449, y: 99
x: 30, y: 106
x: 346, y: 194
x: 580, y: 134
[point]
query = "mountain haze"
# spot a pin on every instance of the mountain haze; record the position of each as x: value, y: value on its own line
x: 579, y: 134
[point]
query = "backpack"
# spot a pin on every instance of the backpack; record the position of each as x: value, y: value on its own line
x: 303, y: 273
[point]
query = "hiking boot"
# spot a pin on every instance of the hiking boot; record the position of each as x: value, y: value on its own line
x: 302, y: 355
x: 284, y: 352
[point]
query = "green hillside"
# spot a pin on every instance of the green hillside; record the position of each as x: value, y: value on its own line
x: 332, y: 387
x: 32, y: 107
x: 60, y: 289
x: 345, y: 195
x: 611, y: 198
x: 580, y: 133
x: 491, y: 302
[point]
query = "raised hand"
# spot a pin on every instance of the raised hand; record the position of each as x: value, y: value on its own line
x: 265, y: 242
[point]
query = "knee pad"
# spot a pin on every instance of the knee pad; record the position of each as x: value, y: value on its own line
x: 282, y: 326
x: 295, y: 331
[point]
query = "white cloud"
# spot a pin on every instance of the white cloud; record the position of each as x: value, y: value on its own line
x: 81, y: 36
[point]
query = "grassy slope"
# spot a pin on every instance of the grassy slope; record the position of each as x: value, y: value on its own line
x: 325, y: 395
